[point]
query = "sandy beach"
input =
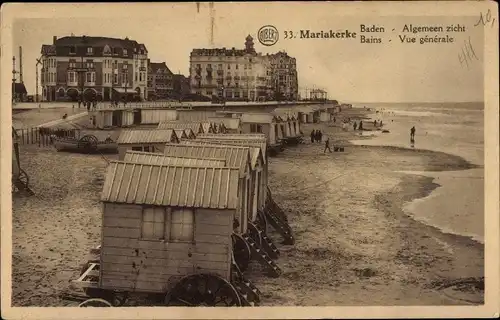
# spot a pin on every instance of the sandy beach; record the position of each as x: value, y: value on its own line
x: 355, y: 244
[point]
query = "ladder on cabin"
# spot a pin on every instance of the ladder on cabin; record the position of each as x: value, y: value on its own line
x: 261, y: 256
x: 266, y: 243
x: 249, y: 293
x: 281, y: 226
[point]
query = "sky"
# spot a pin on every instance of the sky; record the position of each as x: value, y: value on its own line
x: 347, y: 69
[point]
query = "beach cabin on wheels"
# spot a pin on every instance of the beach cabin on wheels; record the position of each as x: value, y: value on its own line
x: 160, y: 158
x: 235, y: 157
x: 144, y: 140
x: 263, y: 123
x: 196, y: 127
x: 257, y: 171
x: 165, y: 224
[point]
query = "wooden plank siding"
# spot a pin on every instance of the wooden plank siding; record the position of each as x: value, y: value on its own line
x: 130, y: 263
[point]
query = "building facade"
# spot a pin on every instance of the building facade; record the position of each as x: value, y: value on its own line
x: 284, y: 78
x: 232, y: 74
x: 181, y: 85
x: 87, y: 68
x: 160, y: 81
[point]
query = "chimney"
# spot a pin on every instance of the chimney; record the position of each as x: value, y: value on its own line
x: 54, y: 38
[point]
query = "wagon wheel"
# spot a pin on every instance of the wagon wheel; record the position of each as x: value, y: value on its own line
x: 241, y: 251
x: 95, y: 302
x: 88, y: 142
x: 255, y: 233
x: 204, y: 290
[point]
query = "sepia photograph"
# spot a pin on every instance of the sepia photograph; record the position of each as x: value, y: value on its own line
x: 255, y: 155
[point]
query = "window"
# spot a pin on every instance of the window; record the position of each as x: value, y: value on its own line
x: 209, y: 93
x: 90, y: 64
x: 72, y: 64
x: 90, y: 50
x: 236, y: 67
x: 229, y: 67
x: 125, y: 52
x: 72, y: 50
x: 136, y: 76
x: 255, y: 128
x: 115, y: 78
x: 88, y: 77
x: 153, y: 223
x: 140, y: 76
x: 136, y: 63
x: 182, y: 225
x: 142, y: 63
x: 71, y: 76
x: 125, y: 66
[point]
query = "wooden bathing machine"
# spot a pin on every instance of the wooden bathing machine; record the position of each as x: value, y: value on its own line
x: 235, y: 157
x: 262, y: 145
x: 196, y: 127
x: 161, y: 223
x: 145, y: 140
x: 265, y: 204
x: 264, y: 123
x: 161, y: 159
x: 256, y: 176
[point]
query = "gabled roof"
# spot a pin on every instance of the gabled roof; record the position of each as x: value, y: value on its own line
x: 261, y: 144
x: 235, y: 156
x: 157, y: 66
x: 147, y: 136
x: 181, y: 133
x: 255, y: 150
x: 160, y: 158
x: 239, y: 136
x: 175, y: 186
x: 195, y: 126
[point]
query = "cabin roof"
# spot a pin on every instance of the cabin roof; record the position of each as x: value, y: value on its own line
x: 146, y: 136
x: 235, y: 156
x: 255, y: 151
x: 160, y: 158
x: 181, y: 133
x: 195, y: 126
x: 176, y: 186
x: 236, y: 136
x: 261, y: 144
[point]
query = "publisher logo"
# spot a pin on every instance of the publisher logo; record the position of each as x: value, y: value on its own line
x: 268, y: 35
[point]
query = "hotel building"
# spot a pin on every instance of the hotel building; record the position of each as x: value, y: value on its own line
x: 93, y: 68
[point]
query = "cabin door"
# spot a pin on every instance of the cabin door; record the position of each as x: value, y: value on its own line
x: 137, y: 116
x: 117, y: 118
x: 256, y: 188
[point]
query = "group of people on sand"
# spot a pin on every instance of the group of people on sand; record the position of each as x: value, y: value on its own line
x: 316, y: 136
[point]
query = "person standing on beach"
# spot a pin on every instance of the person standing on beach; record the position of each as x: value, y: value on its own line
x: 355, y: 125
x: 313, y: 135
x: 327, y: 145
x: 375, y: 123
x: 320, y: 136
x: 412, y: 133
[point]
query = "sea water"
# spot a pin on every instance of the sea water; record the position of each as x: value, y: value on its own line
x: 457, y: 206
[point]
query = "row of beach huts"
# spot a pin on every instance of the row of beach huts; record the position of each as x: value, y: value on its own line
x: 187, y: 210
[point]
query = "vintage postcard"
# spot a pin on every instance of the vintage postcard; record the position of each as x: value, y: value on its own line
x: 264, y: 159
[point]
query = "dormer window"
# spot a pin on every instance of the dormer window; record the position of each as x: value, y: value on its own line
x: 72, y: 50
x: 115, y: 50
x: 90, y: 50
x: 107, y: 49
x: 125, y: 52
